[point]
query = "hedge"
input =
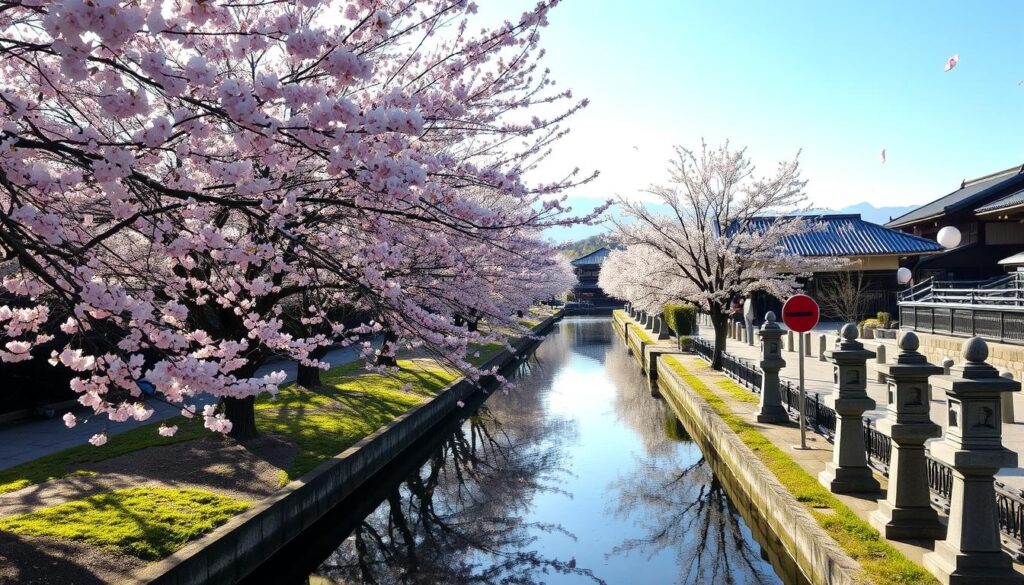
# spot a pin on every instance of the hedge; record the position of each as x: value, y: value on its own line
x: 681, y: 318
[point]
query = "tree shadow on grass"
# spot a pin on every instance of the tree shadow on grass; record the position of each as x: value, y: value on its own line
x: 42, y: 561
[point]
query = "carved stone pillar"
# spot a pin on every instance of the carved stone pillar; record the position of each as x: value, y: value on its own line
x: 906, y: 511
x: 973, y: 448
x: 848, y: 472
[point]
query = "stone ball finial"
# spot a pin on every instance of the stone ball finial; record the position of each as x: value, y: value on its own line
x: 975, y: 350
x: 770, y: 316
x: 849, y: 332
x: 909, y: 341
x: 947, y: 362
x: 1006, y: 374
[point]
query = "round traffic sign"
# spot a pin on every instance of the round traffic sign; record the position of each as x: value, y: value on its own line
x: 800, y: 313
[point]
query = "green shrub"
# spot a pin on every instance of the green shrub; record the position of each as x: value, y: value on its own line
x: 884, y: 318
x: 681, y: 318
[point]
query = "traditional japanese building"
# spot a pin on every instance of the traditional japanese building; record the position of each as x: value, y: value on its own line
x: 875, y: 254
x: 988, y: 211
x: 587, y: 269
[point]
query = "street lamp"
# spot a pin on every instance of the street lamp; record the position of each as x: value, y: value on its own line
x: 903, y: 275
x: 949, y: 237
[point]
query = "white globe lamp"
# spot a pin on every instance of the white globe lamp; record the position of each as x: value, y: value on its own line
x: 903, y: 275
x: 949, y: 237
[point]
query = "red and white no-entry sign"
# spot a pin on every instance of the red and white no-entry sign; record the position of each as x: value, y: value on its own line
x: 800, y: 313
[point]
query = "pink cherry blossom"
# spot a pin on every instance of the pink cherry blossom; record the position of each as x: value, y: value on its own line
x: 952, y: 62
x: 187, y: 218
x: 69, y: 420
x: 167, y: 430
x: 98, y: 440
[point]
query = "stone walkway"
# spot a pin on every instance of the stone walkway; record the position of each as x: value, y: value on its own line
x: 31, y: 439
x: 812, y: 460
x: 818, y: 379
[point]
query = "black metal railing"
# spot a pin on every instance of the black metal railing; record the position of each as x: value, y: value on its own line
x: 877, y: 445
x: 993, y: 309
x: 1004, y: 324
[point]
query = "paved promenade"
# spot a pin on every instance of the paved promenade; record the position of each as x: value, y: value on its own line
x: 818, y: 376
x: 31, y: 439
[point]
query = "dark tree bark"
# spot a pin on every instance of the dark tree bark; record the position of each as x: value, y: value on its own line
x: 309, y: 376
x: 720, y: 321
x: 387, y: 349
x: 242, y: 414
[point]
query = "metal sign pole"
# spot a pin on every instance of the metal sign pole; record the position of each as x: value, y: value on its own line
x: 803, y: 400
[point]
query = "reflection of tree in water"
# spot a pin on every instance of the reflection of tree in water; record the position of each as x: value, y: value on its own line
x: 683, y: 508
x: 651, y: 419
x: 459, y: 519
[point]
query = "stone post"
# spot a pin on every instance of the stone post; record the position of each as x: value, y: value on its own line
x: 789, y: 341
x: 947, y: 365
x: 906, y: 511
x: 848, y: 472
x: 972, y: 446
x: 1007, y: 399
x: 880, y: 375
x: 772, y: 410
x: 649, y: 321
x: 743, y: 332
x: 822, y: 347
x: 807, y: 344
x: 660, y: 329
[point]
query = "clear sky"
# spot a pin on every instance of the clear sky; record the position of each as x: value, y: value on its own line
x: 840, y: 81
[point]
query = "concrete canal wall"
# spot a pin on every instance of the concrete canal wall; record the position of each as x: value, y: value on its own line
x: 237, y: 548
x: 799, y: 549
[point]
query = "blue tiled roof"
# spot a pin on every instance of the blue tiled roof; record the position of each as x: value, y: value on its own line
x: 594, y: 258
x: 976, y: 192
x: 1011, y: 200
x: 849, y: 235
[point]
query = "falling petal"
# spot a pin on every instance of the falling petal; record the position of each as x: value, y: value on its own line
x: 881, y: 155
x: 461, y: 404
x: 952, y: 61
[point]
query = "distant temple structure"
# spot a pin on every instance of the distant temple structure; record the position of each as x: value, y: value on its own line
x: 587, y: 269
x: 988, y: 211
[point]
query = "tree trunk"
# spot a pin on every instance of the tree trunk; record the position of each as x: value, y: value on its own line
x: 242, y: 414
x: 309, y: 376
x: 388, y: 346
x: 720, y: 321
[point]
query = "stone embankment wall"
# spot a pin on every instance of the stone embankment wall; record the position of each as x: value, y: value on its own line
x: 237, y: 548
x: 800, y: 550
x: 938, y: 347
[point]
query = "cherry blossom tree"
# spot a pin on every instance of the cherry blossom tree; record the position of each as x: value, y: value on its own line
x: 174, y: 175
x: 723, y: 236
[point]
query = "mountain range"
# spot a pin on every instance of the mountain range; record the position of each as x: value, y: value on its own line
x: 868, y: 212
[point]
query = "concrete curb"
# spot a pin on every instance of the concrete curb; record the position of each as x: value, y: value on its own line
x: 770, y: 508
x: 237, y: 548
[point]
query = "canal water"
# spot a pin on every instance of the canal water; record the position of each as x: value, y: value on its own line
x: 574, y: 475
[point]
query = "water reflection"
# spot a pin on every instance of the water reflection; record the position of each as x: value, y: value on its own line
x: 577, y: 475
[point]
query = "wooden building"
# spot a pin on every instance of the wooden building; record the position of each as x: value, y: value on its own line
x: 988, y: 211
x: 587, y: 269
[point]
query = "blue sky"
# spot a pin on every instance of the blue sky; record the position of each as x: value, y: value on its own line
x: 838, y: 80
